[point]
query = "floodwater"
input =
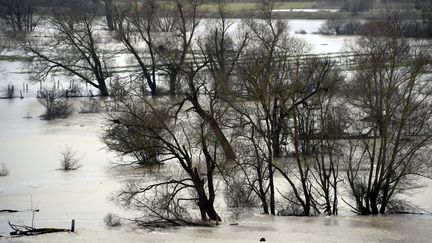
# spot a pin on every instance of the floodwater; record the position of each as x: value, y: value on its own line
x: 30, y: 148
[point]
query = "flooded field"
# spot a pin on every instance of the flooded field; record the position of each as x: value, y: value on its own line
x: 30, y: 148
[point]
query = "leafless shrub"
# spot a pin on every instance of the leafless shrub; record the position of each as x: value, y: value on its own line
x: 56, y: 106
x: 112, y: 220
x: 4, y: 171
x: 90, y: 105
x: 301, y: 32
x: 69, y: 159
x: 238, y: 194
x: 74, y: 90
x: 399, y: 131
x: 118, y: 94
x: 290, y: 206
x: 340, y: 26
x: 398, y: 206
x: 239, y: 197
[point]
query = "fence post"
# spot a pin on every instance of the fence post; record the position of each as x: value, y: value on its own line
x: 73, y: 226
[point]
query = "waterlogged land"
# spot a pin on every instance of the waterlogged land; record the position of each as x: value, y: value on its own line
x: 30, y: 148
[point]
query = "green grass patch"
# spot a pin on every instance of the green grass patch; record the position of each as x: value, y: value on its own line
x: 15, y: 58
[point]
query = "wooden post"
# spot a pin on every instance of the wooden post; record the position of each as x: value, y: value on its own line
x: 73, y: 225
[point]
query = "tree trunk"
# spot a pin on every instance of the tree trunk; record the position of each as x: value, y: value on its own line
x: 172, y: 83
x: 103, y: 89
x: 373, y: 204
x: 214, y: 125
x: 109, y: 15
x: 211, y: 212
x: 272, y: 192
x: 204, y: 204
x: 264, y: 204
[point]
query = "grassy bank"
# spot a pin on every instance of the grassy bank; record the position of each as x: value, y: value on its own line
x: 15, y: 58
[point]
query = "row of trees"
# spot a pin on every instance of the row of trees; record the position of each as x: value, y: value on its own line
x: 24, y: 15
x: 244, y: 118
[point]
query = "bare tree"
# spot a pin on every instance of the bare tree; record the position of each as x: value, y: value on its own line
x: 174, y: 49
x: 194, y: 153
x: 267, y: 89
x: 223, y: 52
x: 220, y: 56
x: 137, y: 22
x: 81, y: 54
x: 323, y: 126
x: 392, y: 114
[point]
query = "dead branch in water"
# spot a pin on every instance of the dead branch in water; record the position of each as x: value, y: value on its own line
x: 8, y: 211
x: 24, y: 230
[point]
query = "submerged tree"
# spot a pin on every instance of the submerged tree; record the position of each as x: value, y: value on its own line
x: 139, y: 31
x: 76, y: 51
x: 136, y: 141
x: 275, y: 84
x: 175, y: 47
x: 392, y: 113
x: 194, y: 154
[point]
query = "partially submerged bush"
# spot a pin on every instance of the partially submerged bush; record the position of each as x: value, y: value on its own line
x: 112, y: 220
x: 4, y: 171
x: 239, y: 197
x: 91, y: 105
x: 238, y: 194
x: 56, y: 105
x: 290, y: 206
x: 127, y: 136
x: 69, y: 159
x: 301, y: 32
x: 339, y: 26
x: 74, y: 90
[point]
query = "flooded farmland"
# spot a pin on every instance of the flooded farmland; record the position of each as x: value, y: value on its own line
x: 30, y: 148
